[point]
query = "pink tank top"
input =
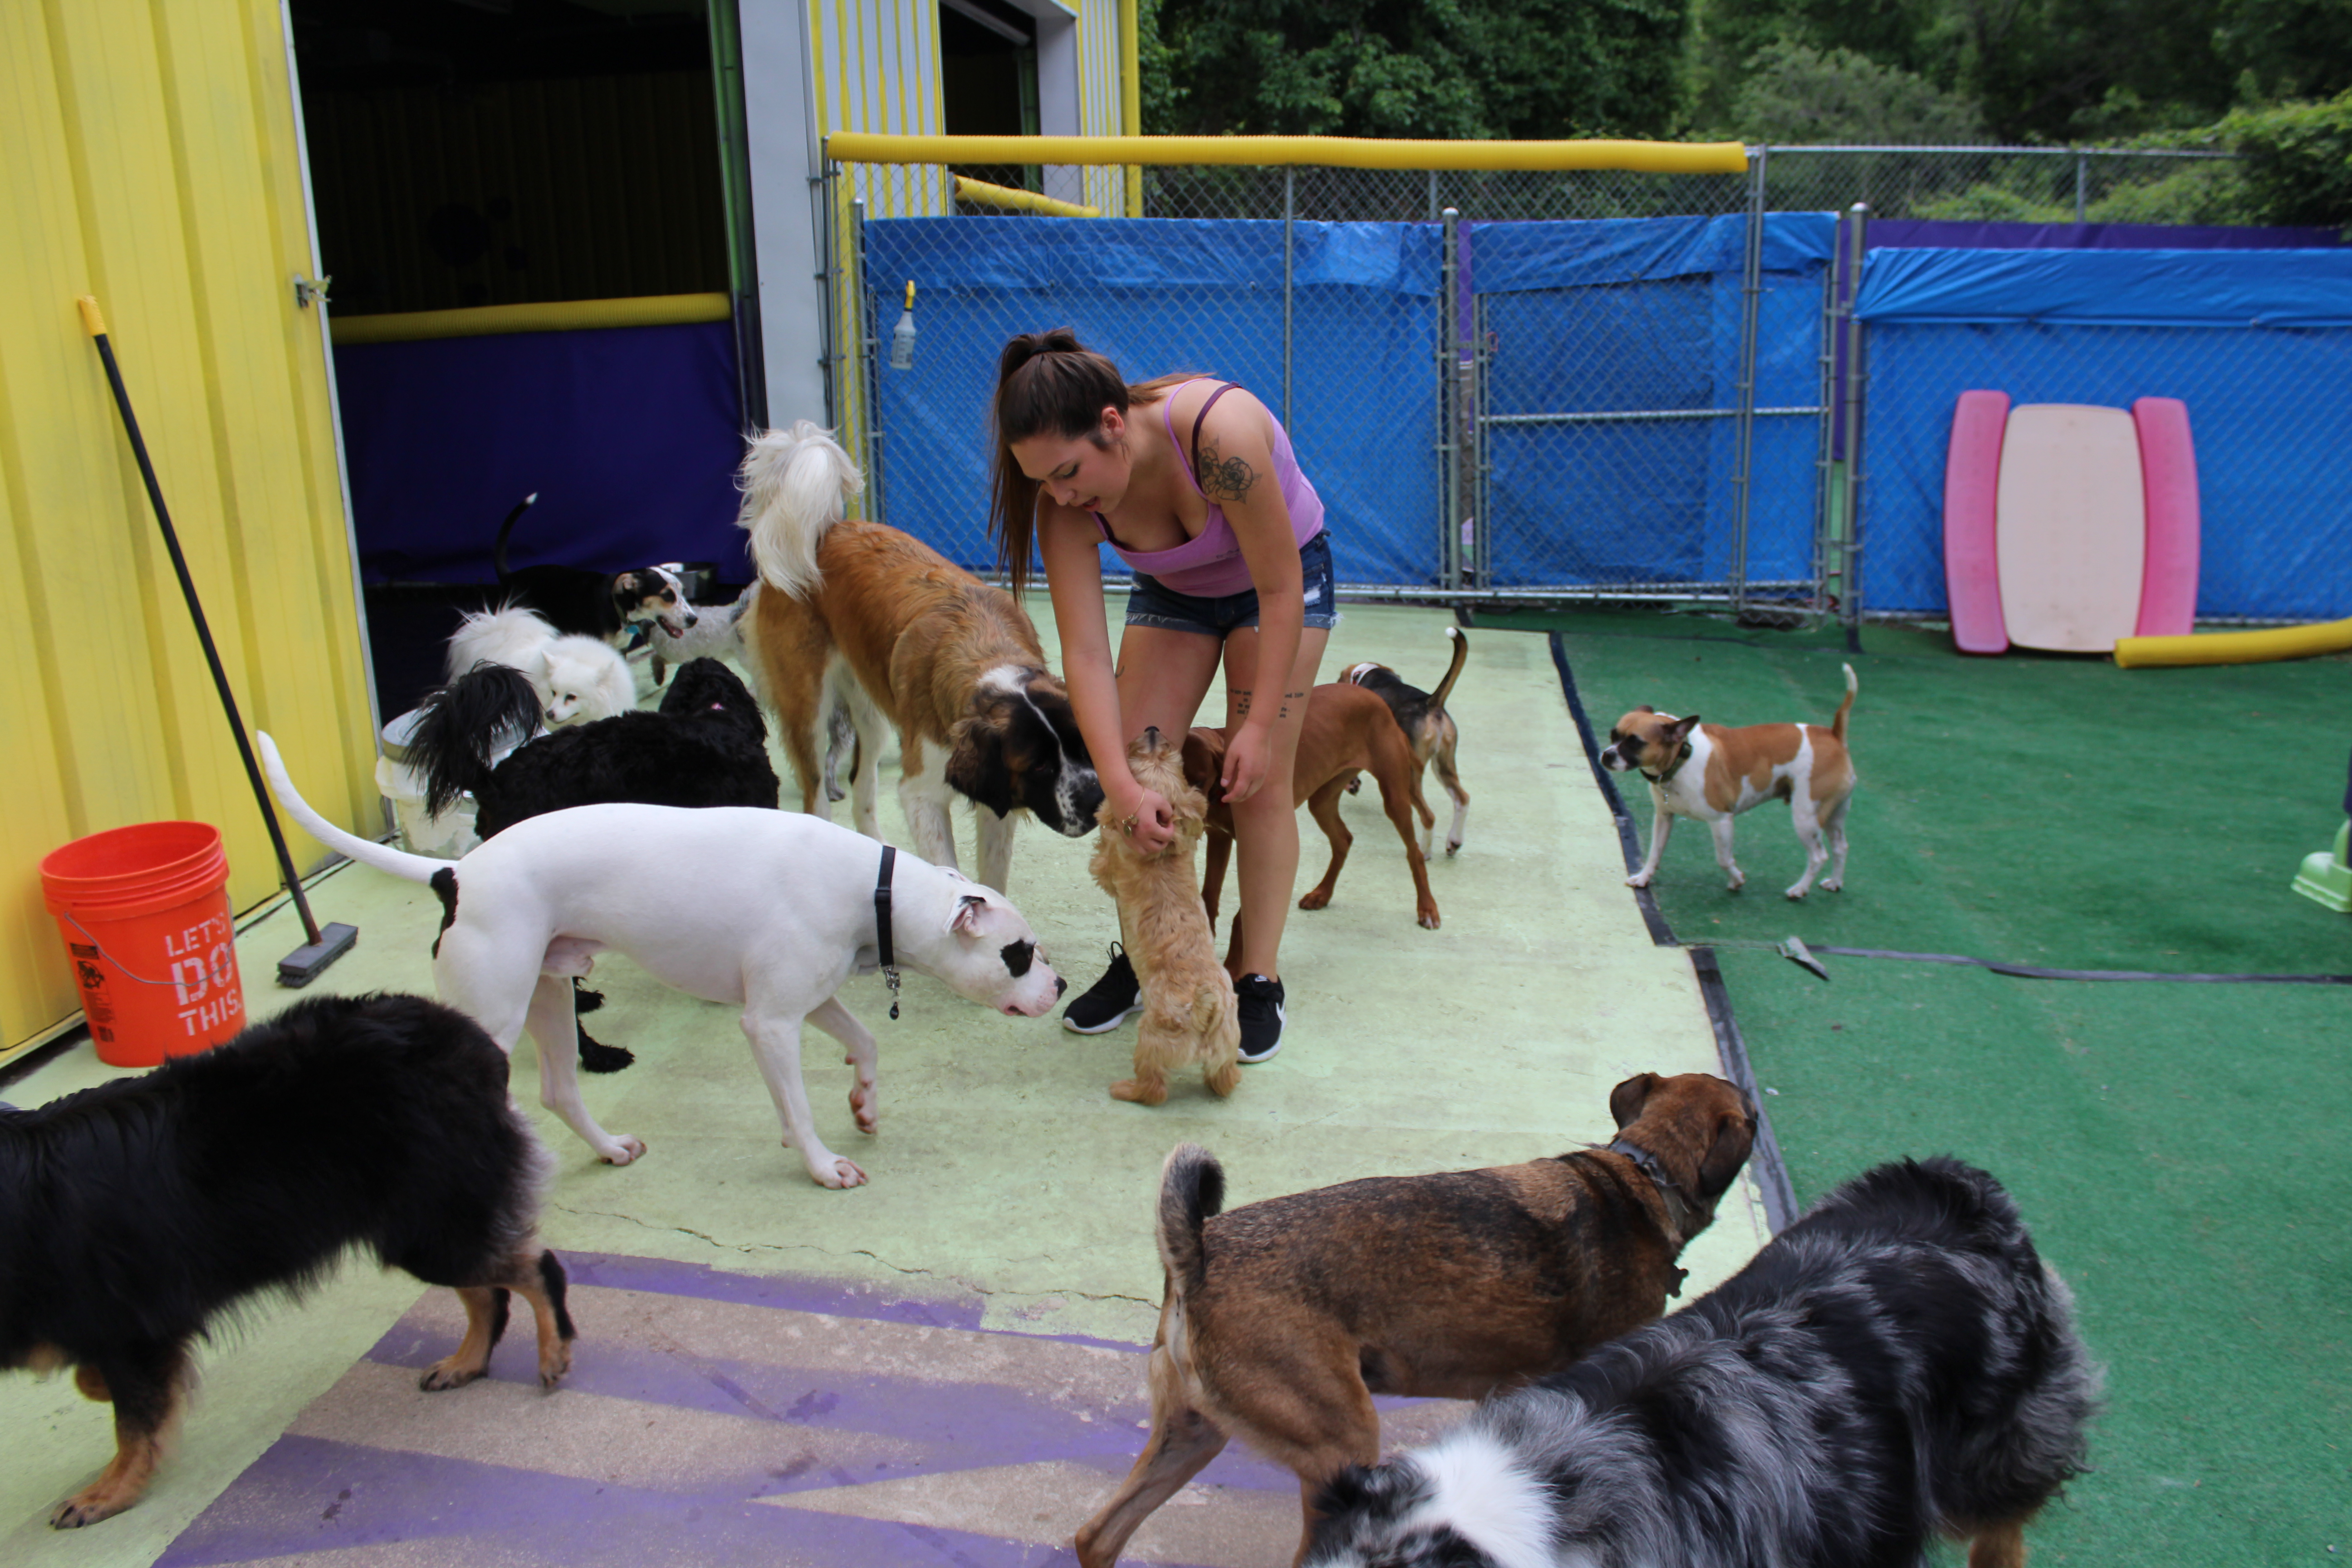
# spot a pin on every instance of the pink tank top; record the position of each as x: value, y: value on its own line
x: 1212, y: 566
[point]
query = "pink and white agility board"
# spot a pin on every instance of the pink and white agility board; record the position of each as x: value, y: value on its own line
x: 1971, y: 564
x: 2168, y: 463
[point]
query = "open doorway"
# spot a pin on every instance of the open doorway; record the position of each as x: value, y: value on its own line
x: 988, y: 81
x: 470, y: 158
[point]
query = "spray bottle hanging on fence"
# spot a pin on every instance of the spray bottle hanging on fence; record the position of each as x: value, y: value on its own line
x: 902, y: 336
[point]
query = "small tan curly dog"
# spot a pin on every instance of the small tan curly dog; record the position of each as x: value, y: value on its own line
x: 1188, y: 998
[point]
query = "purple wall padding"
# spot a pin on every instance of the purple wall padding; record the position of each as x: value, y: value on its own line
x: 1971, y: 490
x: 2168, y: 465
x: 630, y: 436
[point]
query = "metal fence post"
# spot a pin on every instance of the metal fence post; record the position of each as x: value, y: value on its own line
x: 1827, y: 567
x: 2082, y: 184
x: 1289, y: 226
x: 864, y: 332
x: 821, y: 191
x: 1751, y: 309
x: 1855, y: 376
x: 1449, y: 411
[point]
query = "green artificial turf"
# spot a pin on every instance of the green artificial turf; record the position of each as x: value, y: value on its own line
x: 2181, y: 1150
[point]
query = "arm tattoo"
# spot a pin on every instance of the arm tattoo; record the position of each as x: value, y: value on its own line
x: 1242, y: 703
x: 1224, y: 478
x: 1287, y: 698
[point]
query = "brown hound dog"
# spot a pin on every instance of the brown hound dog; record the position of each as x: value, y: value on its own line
x: 1349, y: 730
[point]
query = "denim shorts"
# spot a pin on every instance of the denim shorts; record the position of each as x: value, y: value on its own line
x: 1153, y: 605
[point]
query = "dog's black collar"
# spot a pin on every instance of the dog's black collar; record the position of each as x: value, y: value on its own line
x: 882, y: 924
x: 1661, y: 778
x: 1670, y: 1192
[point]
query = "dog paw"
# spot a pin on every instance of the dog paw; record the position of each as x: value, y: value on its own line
x: 1314, y: 899
x: 447, y: 1373
x: 1453, y: 847
x: 625, y: 1150
x: 1797, y: 894
x: 87, y: 1507
x: 1833, y: 884
x: 838, y: 1174
x: 1429, y: 920
x: 1136, y: 1093
x: 554, y: 1363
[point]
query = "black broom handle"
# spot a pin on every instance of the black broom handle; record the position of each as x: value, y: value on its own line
x: 96, y: 324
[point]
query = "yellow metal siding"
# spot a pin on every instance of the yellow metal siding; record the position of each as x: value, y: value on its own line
x: 152, y: 162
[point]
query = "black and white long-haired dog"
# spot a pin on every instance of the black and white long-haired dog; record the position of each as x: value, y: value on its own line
x: 1896, y: 1365
x: 613, y: 606
x: 706, y: 745
x: 136, y: 1215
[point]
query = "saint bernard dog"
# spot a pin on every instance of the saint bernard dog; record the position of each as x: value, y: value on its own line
x: 861, y: 616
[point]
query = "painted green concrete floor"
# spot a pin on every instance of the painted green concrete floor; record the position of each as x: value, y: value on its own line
x: 1003, y: 1175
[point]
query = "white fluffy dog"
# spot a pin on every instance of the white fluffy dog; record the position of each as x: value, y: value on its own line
x: 577, y: 677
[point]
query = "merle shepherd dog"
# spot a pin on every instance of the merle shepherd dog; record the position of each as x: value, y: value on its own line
x: 706, y: 746
x: 137, y: 1215
x: 1896, y: 1365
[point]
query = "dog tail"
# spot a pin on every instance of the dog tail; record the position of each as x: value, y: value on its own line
x: 795, y: 483
x: 1191, y: 1192
x: 366, y: 851
x: 1837, y: 725
x: 1461, y: 654
x: 463, y: 729
x: 499, y: 551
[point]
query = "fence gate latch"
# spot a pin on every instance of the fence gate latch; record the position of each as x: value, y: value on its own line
x: 309, y: 292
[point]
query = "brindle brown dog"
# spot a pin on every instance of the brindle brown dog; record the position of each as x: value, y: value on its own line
x: 1281, y: 1320
x: 1349, y: 730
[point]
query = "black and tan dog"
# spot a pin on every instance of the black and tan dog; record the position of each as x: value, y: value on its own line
x: 1429, y: 729
x: 135, y: 1214
x: 1283, y: 1319
x: 612, y: 605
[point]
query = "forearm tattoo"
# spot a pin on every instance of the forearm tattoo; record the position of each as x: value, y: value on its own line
x: 1224, y: 478
x: 1287, y: 698
x: 1241, y: 703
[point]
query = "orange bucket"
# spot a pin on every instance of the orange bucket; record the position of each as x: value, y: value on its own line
x: 145, y: 916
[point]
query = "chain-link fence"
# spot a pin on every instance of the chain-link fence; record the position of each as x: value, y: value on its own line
x: 1508, y: 385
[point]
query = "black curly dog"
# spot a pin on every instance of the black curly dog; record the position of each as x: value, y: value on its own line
x: 708, y: 745
x: 134, y: 1215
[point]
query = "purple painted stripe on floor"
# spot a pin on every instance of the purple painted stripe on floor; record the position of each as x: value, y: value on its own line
x: 307, y: 1494
x: 786, y: 1292
x: 962, y: 1425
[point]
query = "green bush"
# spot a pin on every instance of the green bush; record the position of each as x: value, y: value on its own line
x: 2298, y: 165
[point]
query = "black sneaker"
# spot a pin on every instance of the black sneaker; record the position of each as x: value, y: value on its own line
x: 1108, y: 1002
x: 1261, y: 1015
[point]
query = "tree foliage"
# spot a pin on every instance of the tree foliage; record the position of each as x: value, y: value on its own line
x: 1452, y: 69
x: 2272, y: 78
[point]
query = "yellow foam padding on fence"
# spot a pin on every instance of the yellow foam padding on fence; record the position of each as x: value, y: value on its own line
x: 1326, y: 152
x: 555, y: 316
x: 2236, y: 648
x: 985, y: 194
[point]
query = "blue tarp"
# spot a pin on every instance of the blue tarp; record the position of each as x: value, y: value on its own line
x: 1644, y: 316
x: 2258, y: 343
x: 629, y: 435
x: 1162, y: 295
x: 2115, y: 288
